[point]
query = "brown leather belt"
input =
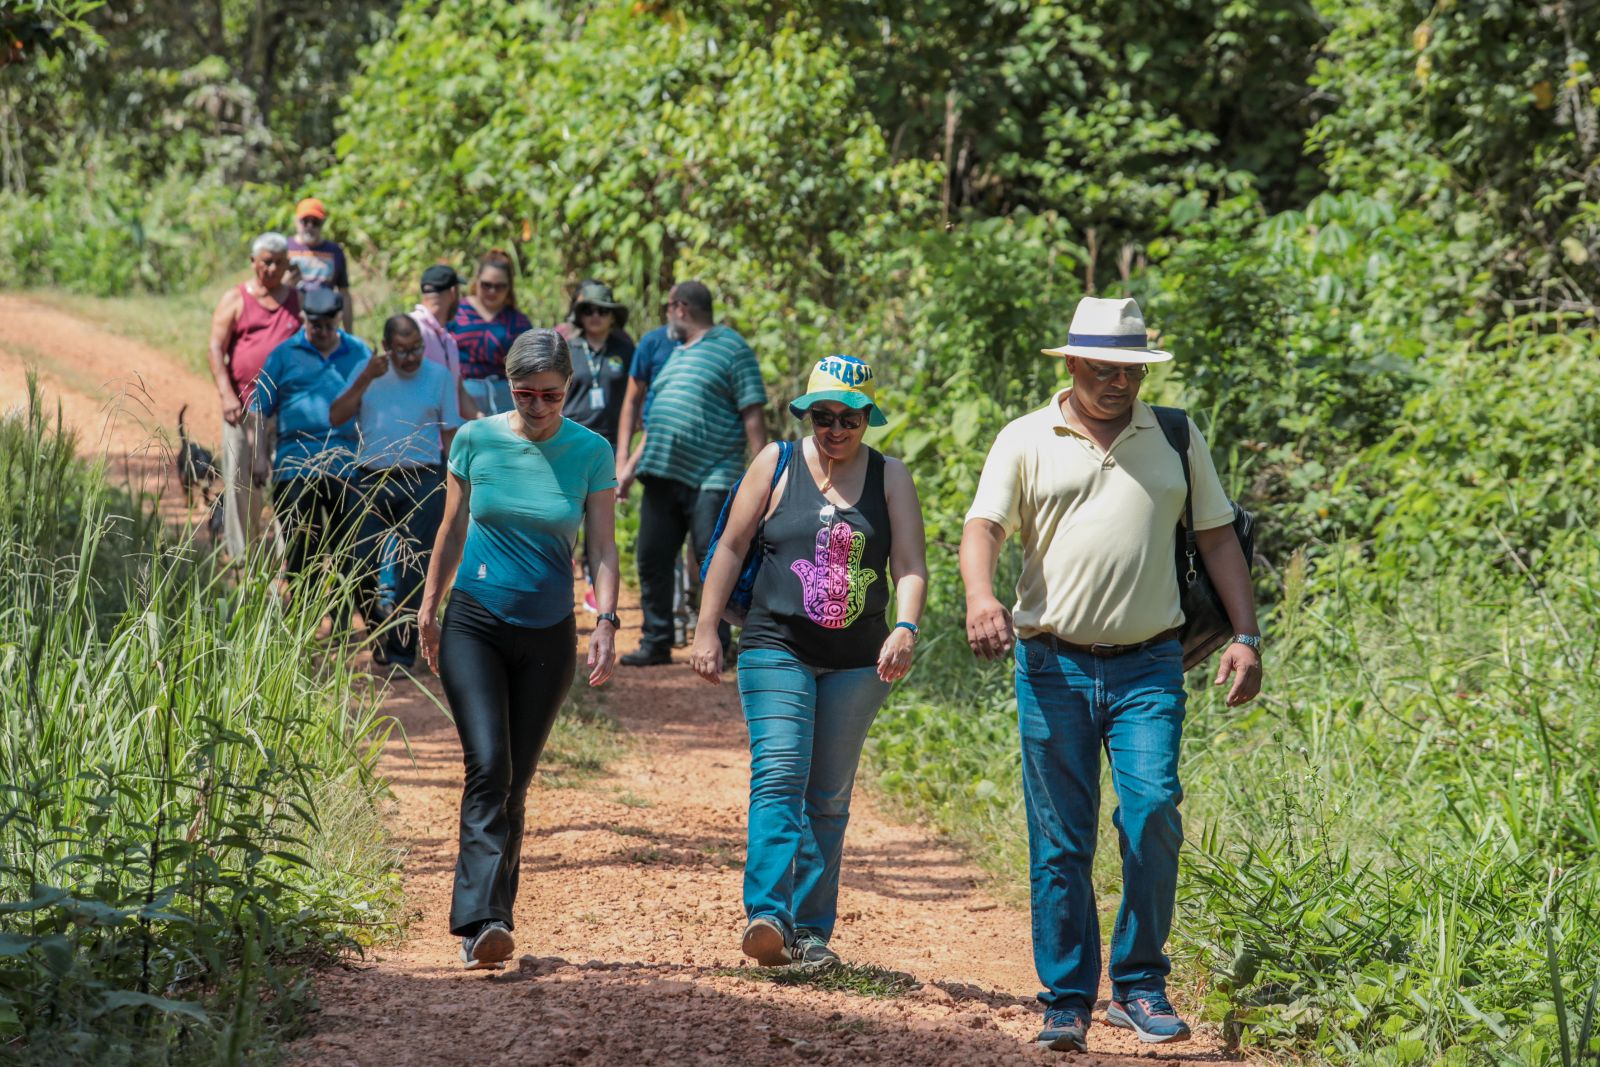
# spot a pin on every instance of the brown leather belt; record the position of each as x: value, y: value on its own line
x: 1106, y: 651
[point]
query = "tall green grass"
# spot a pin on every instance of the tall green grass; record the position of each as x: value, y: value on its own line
x: 187, y: 812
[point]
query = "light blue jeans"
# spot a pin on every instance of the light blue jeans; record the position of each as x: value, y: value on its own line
x: 807, y: 726
x: 1071, y: 706
x: 492, y: 395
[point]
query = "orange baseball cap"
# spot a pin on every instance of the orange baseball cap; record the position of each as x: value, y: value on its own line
x: 311, y: 207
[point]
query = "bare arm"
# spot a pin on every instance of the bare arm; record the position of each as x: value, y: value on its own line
x: 755, y: 430
x: 349, y: 311
x: 222, y: 320
x: 908, y: 562
x: 442, y: 565
x: 464, y: 402
x: 1230, y: 576
x: 631, y: 421
x: 989, y: 629
x: 723, y: 574
x: 600, y: 529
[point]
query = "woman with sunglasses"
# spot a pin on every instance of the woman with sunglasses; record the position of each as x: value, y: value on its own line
x: 520, y: 486
x: 601, y: 351
x: 817, y: 655
x: 485, y: 325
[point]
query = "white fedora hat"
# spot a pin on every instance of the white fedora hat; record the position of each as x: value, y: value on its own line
x: 1110, y: 331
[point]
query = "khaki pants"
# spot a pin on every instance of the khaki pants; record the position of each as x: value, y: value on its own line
x: 241, y: 445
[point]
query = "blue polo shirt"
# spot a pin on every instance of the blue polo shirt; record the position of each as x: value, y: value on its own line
x: 298, y: 384
x: 655, y: 348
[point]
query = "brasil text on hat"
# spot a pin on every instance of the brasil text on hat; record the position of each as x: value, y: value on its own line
x: 310, y: 208
x: 1110, y: 331
x: 439, y: 277
x: 845, y: 380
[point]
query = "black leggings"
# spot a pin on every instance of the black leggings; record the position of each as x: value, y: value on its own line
x: 505, y: 684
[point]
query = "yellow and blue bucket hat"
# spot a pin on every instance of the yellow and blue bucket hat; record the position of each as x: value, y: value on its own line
x: 845, y: 380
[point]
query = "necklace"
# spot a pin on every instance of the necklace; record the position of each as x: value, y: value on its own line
x: 827, y: 476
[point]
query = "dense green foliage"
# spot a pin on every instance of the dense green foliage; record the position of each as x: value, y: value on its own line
x: 187, y: 815
x: 1369, y: 232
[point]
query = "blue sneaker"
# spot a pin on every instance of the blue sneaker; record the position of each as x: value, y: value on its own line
x: 1151, y: 1016
x: 1065, y: 1030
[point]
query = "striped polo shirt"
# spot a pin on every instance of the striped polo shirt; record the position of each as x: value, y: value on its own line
x: 696, y: 435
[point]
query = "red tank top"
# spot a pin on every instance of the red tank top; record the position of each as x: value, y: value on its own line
x: 256, y: 332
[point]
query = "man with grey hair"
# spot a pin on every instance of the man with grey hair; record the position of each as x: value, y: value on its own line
x: 251, y: 320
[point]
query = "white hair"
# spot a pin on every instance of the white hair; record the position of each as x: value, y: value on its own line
x: 271, y: 241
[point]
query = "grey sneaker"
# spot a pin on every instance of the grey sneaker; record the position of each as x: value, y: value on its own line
x: 766, y: 943
x: 810, y: 952
x: 1065, y: 1030
x: 489, y: 948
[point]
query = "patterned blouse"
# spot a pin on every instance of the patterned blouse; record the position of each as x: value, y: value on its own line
x: 485, y: 342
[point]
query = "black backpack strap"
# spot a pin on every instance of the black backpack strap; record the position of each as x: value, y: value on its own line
x: 1175, y: 424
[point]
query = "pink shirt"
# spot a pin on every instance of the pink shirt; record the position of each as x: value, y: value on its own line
x: 438, y: 344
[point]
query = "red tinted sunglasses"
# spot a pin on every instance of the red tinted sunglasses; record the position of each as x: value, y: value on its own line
x: 549, y: 396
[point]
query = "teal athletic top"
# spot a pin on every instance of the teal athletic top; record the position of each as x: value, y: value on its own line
x: 525, y: 510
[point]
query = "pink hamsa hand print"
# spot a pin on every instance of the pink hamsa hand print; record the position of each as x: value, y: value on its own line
x: 835, y: 583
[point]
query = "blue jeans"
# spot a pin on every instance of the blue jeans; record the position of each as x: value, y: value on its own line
x: 492, y: 395
x: 807, y: 726
x: 1069, y: 706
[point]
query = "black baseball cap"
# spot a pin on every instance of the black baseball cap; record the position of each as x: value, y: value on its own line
x: 322, y: 303
x: 438, y: 278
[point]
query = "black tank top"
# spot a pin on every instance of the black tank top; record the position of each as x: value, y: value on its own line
x: 823, y: 586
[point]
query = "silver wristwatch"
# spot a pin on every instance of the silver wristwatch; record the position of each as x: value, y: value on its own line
x: 1252, y: 640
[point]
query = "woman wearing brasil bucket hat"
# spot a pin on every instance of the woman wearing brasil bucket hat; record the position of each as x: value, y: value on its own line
x: 817, y: 655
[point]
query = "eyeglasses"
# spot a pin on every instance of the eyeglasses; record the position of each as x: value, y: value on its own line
x: 406, y: 353
x: 549, y: 396
x: 1104, y: 372
x: 585, y: 310
x: 493, y: 287
x: 849, y: 420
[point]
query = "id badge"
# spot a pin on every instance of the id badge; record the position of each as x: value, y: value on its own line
x: 597, y: 397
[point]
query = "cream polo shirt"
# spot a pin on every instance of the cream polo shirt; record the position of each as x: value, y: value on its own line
x: 1098, y: 528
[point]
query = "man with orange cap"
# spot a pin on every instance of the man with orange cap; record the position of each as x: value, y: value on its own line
x: 317, y: 262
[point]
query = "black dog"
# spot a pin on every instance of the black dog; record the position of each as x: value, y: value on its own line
x: 197, y: 468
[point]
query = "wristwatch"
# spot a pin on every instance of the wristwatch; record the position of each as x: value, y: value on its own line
x: 611, y: 617
x: 1250, y: 640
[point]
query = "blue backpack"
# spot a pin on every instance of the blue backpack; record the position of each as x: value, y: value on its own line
x: 738, y: 605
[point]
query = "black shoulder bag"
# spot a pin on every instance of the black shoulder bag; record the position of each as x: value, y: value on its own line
x: 1206, y: 626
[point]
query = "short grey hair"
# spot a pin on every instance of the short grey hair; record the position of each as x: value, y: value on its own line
x: 271, y: 241
x: 539, y: 352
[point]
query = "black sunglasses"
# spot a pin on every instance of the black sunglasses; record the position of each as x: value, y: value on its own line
x: 849, y: 420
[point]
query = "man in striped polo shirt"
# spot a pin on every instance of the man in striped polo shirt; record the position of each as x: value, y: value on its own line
x: 705, y: 407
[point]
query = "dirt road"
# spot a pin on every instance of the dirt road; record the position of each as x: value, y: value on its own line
x: 121, y: 397
x: 630, y: 908
x: 630, y: 918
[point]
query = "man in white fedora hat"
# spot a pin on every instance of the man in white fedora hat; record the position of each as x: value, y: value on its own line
x: 1095, y: 492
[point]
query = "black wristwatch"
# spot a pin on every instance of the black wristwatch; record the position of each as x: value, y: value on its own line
x: 611, y: 617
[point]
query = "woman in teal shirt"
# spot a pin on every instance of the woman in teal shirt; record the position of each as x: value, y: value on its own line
x: 521, y: 483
